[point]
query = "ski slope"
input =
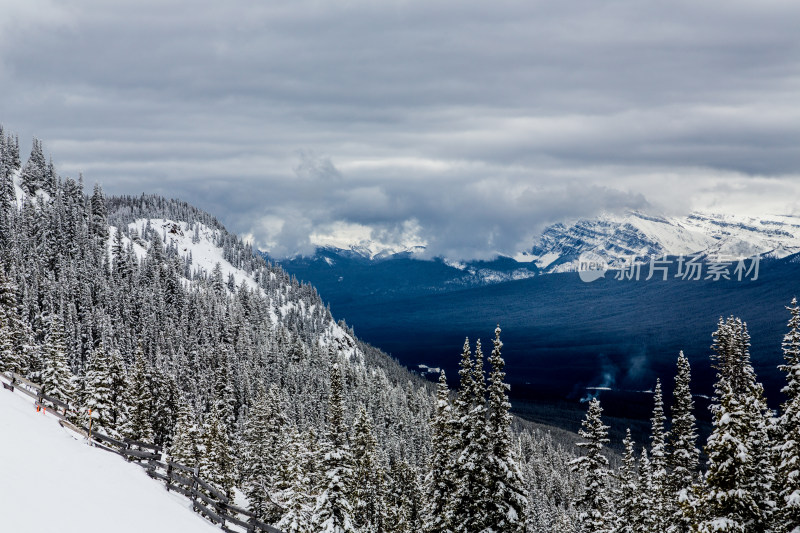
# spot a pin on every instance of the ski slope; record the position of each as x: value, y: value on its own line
x: 51, y: 480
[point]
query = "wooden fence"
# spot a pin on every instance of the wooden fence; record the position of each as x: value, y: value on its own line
x: 206, y: 499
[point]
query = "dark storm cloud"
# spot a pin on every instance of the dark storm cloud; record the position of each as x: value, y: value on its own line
x: 466, y: 124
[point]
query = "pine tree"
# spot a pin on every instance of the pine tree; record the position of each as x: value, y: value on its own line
x: 471, y: 498
x: 626, y: 495
x: 56, y: 376
x: 404, y: 500
x: 659, y: 498
x: 594, y: 503
x: 507, y: 495
x: 216, y: 464
x: 333, y: 511
x: 165, y: 405
x: 119, y: 390
x: 684, y: 456
x: 788, y: 450
x: 140, y: 400
x: 369, y: 506
x: 99, y: 395
x: 648, y: 517
x: 263, y: 446
x: 440, y: 483
x: 294, y: 496
x: 737, y: 493
x: 185, y: 448
x: 12, y: 357
x: 34, y: 171
x: 99, y: 223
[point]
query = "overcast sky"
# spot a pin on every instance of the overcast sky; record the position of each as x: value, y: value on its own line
x: 464, y: 125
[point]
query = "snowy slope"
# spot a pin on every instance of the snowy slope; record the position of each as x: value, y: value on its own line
x: 205, y: 253
x: 617, y: 237
x: 199, y: 242
x: 52, y: 481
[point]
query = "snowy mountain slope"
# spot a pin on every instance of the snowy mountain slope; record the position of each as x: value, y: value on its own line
x: 197, y: 243
x: 53, y: 481
x: 617, y: 237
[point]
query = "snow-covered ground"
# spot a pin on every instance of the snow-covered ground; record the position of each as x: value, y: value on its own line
x: 51, y: 480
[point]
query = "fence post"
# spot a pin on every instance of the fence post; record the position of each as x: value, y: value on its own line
x: 169, y: 474
x: 195, y: 475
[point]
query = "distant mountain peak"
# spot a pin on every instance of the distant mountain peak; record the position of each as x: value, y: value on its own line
x: 615, y: 237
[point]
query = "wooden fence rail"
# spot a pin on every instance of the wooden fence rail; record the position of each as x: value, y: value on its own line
x: 207, y: 499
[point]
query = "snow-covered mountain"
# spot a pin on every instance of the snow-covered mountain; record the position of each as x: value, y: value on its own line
x: 617, y: 237
x: 558, y: 248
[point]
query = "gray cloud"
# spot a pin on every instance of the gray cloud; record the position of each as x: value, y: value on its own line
x: 466, y: 124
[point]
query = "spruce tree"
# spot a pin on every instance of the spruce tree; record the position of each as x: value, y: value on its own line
x: 186, y: 446
x: 626, y: 494
x: 405, y: 501
x: 369, y: 506
x: 35, y: 169
x: 737, y: 493
x: 12, y: 356
x: 294, y: 496
x: 594, y: 504
x: 470, y: 502
x: 119, y: 390
x: 440, y: 483
x: 56, y: 375
x: 507, y: 495
x: 788, y: 449
x: 140, y: 400
x: 684, y: 457
x: 659, y: 498
x: 333, y: 511
x: 647, y: 518
x: 98, y: 393
x: 263, y: 453
x: 216, y: 464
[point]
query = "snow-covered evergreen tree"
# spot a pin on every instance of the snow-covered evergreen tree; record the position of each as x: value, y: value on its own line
x: 684, y: 456
x: 295, y: 488
x: 440, y: 483
x: 660, y: 499
x: 788, y: 448
x: 263, y: 452
x: 507, y: 495
x: 186, y: 446
x: 405, y: 499
x: 626, y: 494
x: 737, y: 493
x: 647, y: 518
x: 471, y: 499
x: 333, y: 511
x: 12, y: 356
x: 594, y: 504
x: 56, y: 376
x: 99, y: 394
x: 34, y: 172
x: 368, y: 491
x: 140, y: 400
x: 216, y: 463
